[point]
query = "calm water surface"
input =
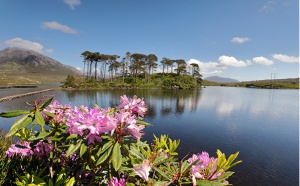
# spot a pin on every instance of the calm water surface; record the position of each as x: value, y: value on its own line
x: 262, y: 124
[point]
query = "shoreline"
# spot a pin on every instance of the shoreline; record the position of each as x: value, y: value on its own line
x: 7, y: 98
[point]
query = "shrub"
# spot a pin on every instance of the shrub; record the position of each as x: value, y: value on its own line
x: 102, y: 146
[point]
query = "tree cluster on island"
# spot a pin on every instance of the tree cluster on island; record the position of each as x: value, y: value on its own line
x: 136, y: 70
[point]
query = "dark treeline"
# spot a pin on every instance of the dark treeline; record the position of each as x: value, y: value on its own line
x: 132, y: 65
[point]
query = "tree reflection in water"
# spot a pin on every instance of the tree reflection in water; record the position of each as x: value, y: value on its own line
x: 170, y: 101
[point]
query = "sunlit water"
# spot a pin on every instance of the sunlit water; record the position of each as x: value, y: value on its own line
x: 262, y: 124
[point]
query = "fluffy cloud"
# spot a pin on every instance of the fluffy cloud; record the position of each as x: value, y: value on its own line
x: 72, y: 3
x: 263, y: 61
x: 231, y: 61
x: 53, y: 25
x: 240, y: 40
x: 285, y: 58
x: 206, y: 67
x: 18, y: 42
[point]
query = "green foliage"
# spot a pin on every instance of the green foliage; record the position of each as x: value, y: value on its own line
x: 167, y: 82
x: 5, y: 143
x: 225, y: 164
x: 141, y: 81
x: 70, y: 81
x: 267, y: 84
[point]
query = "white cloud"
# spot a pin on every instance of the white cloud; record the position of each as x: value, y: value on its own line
x: 206, y: 68
x: 72, y: 3
x: 231, y: 61
x: 268, y: 6
x: 78, y: 68
x: 285, y: 58
x: 57, y: 26
x: 18, y: 42
x: 214, y: 72
x: 240, y: 40
x: 263, y: 61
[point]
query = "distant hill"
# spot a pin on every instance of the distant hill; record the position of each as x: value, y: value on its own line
x: 219, y: 79
x: 32, y: 66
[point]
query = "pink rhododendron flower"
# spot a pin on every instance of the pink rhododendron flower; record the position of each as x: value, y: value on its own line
x: 115, y: 182
x: 94, y: 121
x: 14, y: 150
x: 135, y: 130
x: 134, y: 105
x: 43, y: 149
x: 58, y: 110
x: 206, y: 167
x: 143, y: 170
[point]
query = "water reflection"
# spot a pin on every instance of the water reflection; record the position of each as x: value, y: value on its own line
x: 170, y: 101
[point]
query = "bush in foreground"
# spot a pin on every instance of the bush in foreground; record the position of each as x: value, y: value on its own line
x: 101, y: 146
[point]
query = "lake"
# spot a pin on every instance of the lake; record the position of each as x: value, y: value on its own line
x: 262, y: 124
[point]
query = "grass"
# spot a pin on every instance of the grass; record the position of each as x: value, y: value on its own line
x: 292, y: 83
x: 21, y: 78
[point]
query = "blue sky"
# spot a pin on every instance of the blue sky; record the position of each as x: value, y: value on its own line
x: 244, y: 40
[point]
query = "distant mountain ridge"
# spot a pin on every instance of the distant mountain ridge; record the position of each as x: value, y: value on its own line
x: 219, y: 79
x: 28, y: 61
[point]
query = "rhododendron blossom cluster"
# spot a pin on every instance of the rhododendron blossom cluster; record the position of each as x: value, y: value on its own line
x: 102, y: 146
x: 24, y: 151
x: 93, y: 122
x: 205, y: 169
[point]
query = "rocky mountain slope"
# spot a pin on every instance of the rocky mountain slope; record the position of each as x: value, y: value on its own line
x: 19, y: 59
x: 28, y: 64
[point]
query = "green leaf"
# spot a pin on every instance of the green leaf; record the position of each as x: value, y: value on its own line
x: 104, y: 156
x: 72, y: 136
x: 133, y: 151
x: 160, y: 183
x: 46, y: 103
x: 13, y: 113
x: 142, y: 144
x: 166, y: 176
x: 39, y: 118
x: 50, y: 183
x: 59, y: 178
x: 232, y: 157
x: 235, y: 163
x: 104, y: 147
x: 82, y: 110
x: 226, y: 175
x: 41, y: 135
x: 19, y: 124
x: 221, y: 160
x: 73, y: 148
x: 49, y: 114
x: 139, y: 122
x: 208, y: 183
x: 56, y: 139
x: 83, y: 149
x: 24, y: 134
x: 130, y: 184
x: 117, y: 156
x: 96, y: 106
x: 160, y: 159
x: 71, y: 182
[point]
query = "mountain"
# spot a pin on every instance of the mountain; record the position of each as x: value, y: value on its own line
x: 30, y: 64
x: 219, y: 79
